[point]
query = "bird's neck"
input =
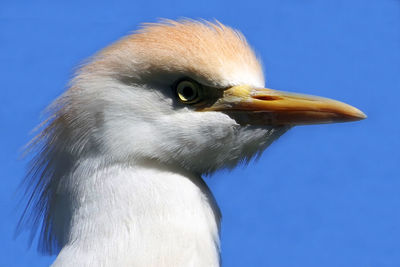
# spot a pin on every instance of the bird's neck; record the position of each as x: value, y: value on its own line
x: 141, y: 215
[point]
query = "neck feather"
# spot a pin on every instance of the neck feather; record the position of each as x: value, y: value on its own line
x: 141, y: 215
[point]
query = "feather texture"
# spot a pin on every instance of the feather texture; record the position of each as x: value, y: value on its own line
x: 116, y: 169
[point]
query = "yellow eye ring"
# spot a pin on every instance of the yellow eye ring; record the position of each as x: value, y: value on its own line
x: 188, y: 91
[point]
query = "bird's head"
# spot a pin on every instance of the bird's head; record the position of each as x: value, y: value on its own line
x: 184, y: 93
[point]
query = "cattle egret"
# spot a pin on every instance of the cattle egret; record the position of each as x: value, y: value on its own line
x: 115, y: 178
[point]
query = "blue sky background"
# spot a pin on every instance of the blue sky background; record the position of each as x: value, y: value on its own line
x: 325, y: 195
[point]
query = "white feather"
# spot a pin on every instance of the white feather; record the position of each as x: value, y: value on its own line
x: 139, y: 215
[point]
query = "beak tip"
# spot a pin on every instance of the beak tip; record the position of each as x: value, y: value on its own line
x: 358, y: 114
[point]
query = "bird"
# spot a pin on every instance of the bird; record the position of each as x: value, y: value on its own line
x: 117, y: 166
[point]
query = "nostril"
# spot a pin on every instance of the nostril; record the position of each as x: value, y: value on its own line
x: 267, y: 97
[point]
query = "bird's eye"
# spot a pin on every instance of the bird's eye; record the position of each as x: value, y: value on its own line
x: 188, y: 91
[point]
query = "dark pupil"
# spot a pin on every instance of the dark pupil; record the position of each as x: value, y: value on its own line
x: 188, y: 92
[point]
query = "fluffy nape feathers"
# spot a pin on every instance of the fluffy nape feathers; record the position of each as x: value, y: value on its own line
x: 120, y: 111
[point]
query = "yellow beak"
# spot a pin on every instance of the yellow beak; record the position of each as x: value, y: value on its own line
x: 264, y: 106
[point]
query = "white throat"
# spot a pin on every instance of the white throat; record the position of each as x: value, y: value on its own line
x: 141, y: 215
